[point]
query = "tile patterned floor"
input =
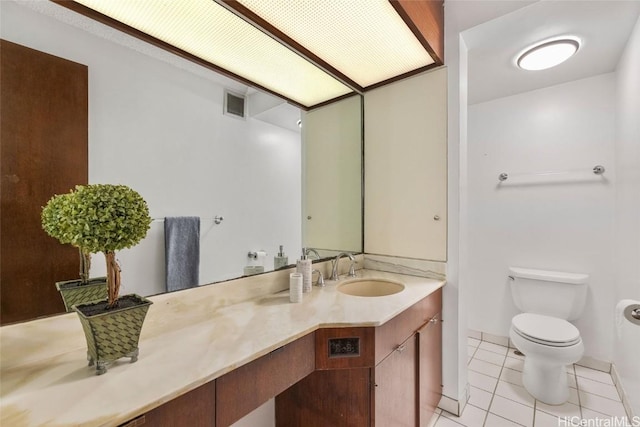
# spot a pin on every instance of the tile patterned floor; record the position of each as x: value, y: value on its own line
x: 498, y: 399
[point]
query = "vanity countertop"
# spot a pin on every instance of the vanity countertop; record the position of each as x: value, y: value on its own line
x: 188, y: 339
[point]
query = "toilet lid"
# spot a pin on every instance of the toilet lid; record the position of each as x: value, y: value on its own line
x: 546, y: 329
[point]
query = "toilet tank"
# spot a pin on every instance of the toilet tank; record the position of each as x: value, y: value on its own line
x: 553, y: 293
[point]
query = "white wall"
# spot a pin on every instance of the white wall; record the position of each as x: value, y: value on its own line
x: 459, y: 16
x: 160, y: 129
x: 627, y: 203
x: 563, y: 222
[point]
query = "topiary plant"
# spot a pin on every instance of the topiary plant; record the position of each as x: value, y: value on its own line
x: 54, y: 222
x: 99, y: 218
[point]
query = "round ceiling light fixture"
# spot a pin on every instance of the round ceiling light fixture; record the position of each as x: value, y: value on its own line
x: 548, y: 53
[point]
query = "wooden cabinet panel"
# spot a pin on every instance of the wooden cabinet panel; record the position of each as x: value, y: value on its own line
x: 43, y: 151
x: 429, y: 369
x: 336, y: 398
x: 326, y: 337
x: 401, y: 327
x: 195, y: 408
x: 247, y: 387
x: 395, y: 387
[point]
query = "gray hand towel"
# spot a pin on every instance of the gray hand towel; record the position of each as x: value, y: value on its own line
x: 182, y: 251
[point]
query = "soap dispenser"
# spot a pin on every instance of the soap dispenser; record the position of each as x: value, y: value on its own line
x: 280, y: 260
x: 303, y: 266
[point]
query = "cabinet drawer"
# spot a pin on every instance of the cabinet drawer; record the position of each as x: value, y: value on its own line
x: 390, y: 335
x: 247, y: 387
x: 341, y: 348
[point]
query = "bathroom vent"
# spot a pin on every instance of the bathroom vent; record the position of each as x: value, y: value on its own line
x: 234, y: 104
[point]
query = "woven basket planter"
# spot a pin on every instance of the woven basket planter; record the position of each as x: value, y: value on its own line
x: 74, y: 292
x: 113, y: 334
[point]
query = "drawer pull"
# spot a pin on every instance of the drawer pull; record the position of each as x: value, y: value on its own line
x: 401, y: 348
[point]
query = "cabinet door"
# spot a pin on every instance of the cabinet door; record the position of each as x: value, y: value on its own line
x: 429, y: 368
x: 332, y: 176
x: 406, y: 168
x: 44, y: 151
x: 395, y: 387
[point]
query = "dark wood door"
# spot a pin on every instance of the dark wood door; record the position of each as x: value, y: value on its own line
x: 43, y: 151
x: 395, y: 387
x: 429, y: 369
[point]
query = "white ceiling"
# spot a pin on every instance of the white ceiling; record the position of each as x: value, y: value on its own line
x: 603, y: 26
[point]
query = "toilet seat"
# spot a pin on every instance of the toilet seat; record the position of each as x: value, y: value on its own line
x: 545, y: 330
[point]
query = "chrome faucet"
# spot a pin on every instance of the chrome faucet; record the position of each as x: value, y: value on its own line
x: 336, y: 261
x: 307, y: 250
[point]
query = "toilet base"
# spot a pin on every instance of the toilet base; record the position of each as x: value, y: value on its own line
x: 546, y: 382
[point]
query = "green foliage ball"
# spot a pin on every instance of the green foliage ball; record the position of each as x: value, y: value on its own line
x: 98, y: 217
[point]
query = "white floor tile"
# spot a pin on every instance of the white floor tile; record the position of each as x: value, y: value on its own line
x: 481, y: 381
x: 573, y: 396
x: 592, y: 374
x: 513, y: 363
x: 432, y: 422
x: 471, y: 416
x: 446, y: 422
x: 512, y: 353
x: 571, y: 380
x: 485, y: 367
x: 515, y: 393
x: 496, y: 339
x: 503, y: 401
x: 601, y: 404
x: 598, y: 419
x: 513, y: 411
x: 565, y: 410
x: 495, y: 421
x: 471, y: 350
x: 595, y: 387
x: 473, y: 342
x: 511, y: 376
x: 493, y: 347
x: 489, y: 356
x: 480, y: 398
x: 542, y: 419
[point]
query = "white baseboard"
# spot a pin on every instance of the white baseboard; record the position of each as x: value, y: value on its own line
x: 625, y: 399
x: 453, y: 406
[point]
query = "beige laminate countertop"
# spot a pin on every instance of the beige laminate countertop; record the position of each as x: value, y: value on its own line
x: 189, y: 338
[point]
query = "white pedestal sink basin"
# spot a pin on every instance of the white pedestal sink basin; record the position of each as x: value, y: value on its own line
x: 370, y: 288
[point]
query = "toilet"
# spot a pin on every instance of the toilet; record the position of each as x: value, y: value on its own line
x: 548, y: 300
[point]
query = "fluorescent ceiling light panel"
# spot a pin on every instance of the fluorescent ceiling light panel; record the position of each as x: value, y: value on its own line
x: 211, y: 32
x: 548, y: 54
x: 366, y: 40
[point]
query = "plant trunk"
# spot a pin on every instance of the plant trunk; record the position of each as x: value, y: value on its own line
x: 113, y: 278
x: 85, y: 265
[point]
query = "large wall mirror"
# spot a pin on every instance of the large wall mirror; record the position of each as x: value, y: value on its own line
x: 156, y: 123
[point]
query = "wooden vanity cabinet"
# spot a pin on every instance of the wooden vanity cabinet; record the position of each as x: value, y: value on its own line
x: 398, y: 385
x: 389, y: 375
